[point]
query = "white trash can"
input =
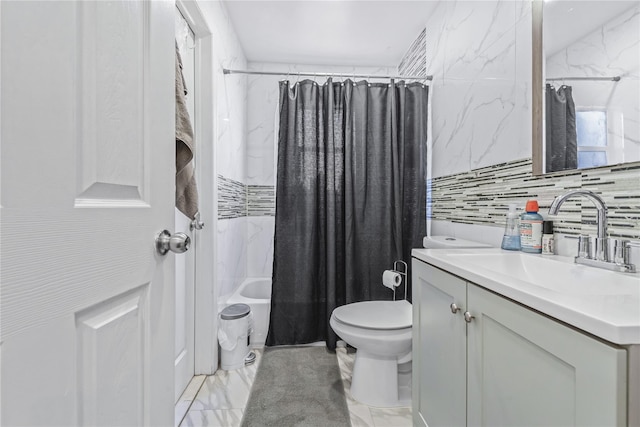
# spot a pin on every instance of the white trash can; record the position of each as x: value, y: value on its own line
x: 234, y: 336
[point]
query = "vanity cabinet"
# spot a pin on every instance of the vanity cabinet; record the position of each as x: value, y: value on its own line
x: 483, y: 360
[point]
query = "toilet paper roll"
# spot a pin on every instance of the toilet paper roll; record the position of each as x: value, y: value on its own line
x: 391, y: 279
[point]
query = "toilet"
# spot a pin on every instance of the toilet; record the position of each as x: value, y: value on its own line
x: 381, y: 333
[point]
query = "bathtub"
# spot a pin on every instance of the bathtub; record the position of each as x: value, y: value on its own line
x: 256, y: 293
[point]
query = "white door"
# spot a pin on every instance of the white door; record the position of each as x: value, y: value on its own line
x: 185, y: 265
x: 87, y: 174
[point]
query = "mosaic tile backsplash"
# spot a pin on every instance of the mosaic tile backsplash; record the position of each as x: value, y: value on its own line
x: 482, y: 196
x: 236, y: 200
x: 414, y: 62
x: 232, y: 198
x: 261, y: 200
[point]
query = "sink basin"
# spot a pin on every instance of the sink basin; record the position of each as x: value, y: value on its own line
x: 554, y: 274
x: 603, y: 303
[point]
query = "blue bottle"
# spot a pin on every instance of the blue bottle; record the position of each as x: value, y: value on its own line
x: 531, y: 229
x: 511, y: 238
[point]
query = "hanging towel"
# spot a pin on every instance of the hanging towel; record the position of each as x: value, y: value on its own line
x: 186, y: 189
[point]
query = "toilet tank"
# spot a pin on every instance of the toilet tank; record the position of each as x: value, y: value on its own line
x: 448, y: 242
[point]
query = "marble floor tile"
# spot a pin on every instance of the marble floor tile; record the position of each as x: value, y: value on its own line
x: 210, y: 418
x: 187, y: 397
x: 222, y: 399
x: 227, y: 389
x: 359, y: 414
x: 391, y: 417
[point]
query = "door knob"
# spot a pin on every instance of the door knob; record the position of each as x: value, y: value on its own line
x: 454, y: 308
x: 177, y: 243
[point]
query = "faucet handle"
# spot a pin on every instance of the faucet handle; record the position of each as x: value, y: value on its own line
x: 584, y: 247
x: 601, y: 249
x: 621, y: 251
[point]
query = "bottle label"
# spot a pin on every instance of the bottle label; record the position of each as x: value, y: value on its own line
x: 547, y: 244
x: 531, y: 234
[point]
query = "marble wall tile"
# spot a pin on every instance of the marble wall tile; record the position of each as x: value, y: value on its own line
x: 229, y: 92
x: 479, y: 104
x: 260, y: 231
x: 231, y: 260
x: 229, y: 147
x: 476, y: 124
x: 479, y: 40
x: 480, y: 56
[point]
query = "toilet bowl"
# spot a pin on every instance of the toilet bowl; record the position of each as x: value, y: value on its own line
x: 381, y: 333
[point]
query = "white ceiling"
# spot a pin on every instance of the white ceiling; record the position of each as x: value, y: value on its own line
x: 328, y: 32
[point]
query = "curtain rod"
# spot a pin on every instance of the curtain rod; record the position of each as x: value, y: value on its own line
x: 608, y: 79
x: 314, y: 74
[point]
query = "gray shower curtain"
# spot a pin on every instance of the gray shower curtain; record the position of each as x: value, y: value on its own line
x: 561, y: 151
x: 350, y: 199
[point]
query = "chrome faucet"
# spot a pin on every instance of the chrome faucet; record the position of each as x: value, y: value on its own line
x: 601, y: 256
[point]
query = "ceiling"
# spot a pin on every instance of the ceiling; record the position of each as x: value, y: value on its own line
x: 328, y: 32
x: 376, y: 32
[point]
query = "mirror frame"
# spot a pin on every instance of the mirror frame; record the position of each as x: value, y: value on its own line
x: 537, y: 62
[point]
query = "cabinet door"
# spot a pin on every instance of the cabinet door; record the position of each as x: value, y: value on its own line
x: 439, y: 348
x: 526, y: 369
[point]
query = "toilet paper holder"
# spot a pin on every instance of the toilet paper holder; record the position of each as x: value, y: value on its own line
x: 403, y: 273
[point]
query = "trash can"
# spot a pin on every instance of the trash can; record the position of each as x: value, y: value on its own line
x: 234, y: 336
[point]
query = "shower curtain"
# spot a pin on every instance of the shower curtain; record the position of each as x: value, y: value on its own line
x: 350, y: 199
x: 561, y: 150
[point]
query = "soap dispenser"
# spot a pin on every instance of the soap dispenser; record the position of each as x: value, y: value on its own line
x: 511, y: 238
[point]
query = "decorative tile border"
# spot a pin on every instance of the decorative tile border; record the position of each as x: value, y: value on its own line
x: 414, y: 62
x: 261, y: 200
x: 232, y: 198
x: 482, y: 196
x: 236, y: 199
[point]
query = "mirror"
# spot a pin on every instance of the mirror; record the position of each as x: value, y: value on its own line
x: 586, y: 84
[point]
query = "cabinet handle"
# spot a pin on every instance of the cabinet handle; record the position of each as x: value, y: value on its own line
x: 454, y: 308
x: 468, y: 317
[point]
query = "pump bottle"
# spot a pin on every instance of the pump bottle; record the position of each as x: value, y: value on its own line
x: 511, y: 238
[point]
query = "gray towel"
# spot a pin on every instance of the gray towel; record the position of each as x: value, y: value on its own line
x: 186, y: 189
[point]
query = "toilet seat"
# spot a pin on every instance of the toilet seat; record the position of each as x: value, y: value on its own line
x: 381, y: 315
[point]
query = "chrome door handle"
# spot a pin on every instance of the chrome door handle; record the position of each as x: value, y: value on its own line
x: 196, y: 224
x: 454, y: 308
x: 177, y: 243
x: 468, y: 317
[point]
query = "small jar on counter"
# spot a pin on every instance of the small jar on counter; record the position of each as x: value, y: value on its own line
x: 548, y: 245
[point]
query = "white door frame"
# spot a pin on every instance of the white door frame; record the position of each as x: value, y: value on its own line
x: 206, y: 299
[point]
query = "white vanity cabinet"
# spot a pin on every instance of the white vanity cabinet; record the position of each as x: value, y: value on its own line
x: 507, y: 365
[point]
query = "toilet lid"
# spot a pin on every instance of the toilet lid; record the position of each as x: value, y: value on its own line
x: 376, y: 314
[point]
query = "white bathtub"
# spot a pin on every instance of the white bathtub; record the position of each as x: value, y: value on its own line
x: 256, y: 293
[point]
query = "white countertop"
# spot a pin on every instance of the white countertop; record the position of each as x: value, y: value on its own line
x: 603, y: 303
